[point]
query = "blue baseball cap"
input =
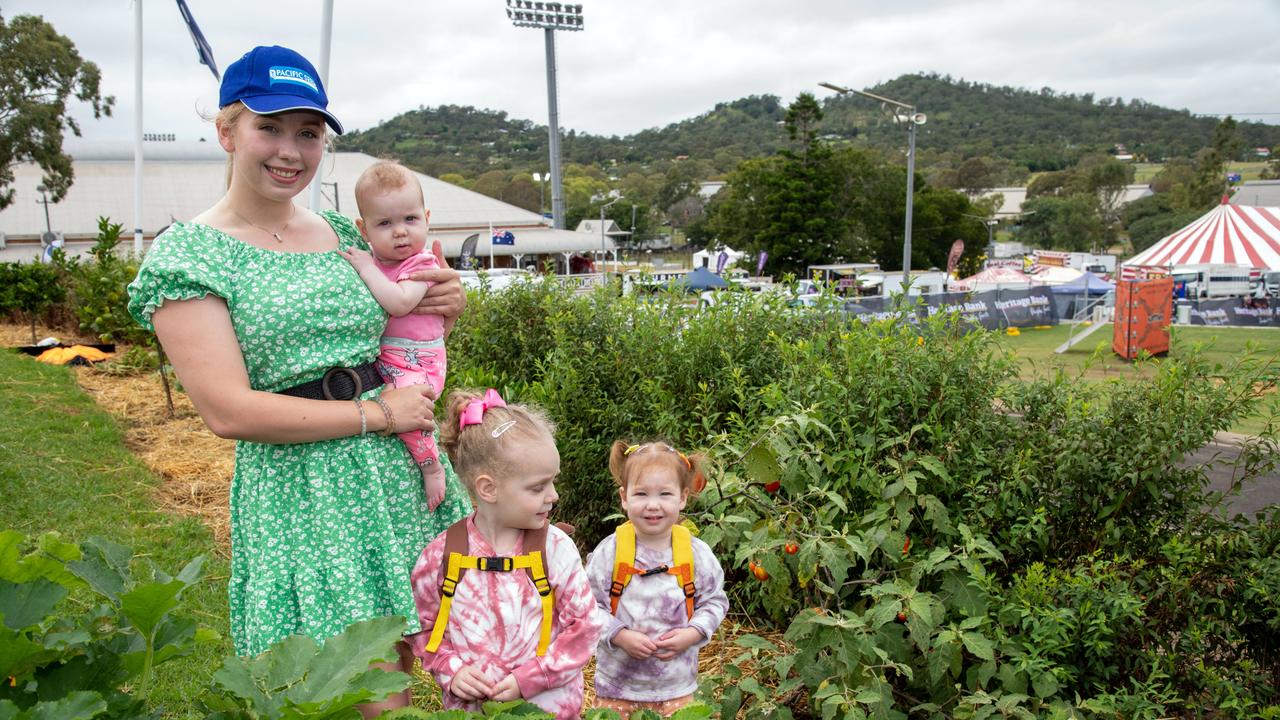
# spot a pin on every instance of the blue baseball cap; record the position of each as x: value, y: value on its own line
x: 270, y: 80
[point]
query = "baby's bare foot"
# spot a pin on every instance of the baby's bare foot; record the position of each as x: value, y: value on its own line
x: 433, y: 480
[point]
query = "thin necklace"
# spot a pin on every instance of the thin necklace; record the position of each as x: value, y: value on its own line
x: 272, y: 233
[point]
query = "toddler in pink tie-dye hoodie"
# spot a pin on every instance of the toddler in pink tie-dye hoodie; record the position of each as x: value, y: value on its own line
x: 647, y: 657
x: 506, y: 456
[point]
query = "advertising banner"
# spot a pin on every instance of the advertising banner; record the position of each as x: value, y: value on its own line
x: 993, y: 309
x: 1234, y: 311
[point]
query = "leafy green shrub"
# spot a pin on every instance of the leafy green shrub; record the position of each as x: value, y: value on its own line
x: 29, y: 289
x: 932, y: 533
x: 98, y: 288
x: 76, y: 666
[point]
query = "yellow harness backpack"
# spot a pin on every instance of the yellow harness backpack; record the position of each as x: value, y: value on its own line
x: 458, y: 560
x: 624, y: 568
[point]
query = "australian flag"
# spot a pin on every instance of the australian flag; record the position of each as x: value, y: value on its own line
x: 203, y: 50
x: 503, y: 237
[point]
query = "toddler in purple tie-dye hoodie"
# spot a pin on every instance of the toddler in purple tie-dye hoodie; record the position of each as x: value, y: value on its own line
x: 647, y: 656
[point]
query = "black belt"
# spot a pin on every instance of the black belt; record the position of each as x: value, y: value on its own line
x: 338, y: 383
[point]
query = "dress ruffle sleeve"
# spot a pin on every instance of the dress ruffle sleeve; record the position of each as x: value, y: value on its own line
x: 186, y: 261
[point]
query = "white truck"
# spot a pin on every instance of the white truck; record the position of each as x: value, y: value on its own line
x: 1211, y: 280
x: 925, y: 282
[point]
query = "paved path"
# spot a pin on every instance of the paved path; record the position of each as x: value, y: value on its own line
x: 1221, y: 455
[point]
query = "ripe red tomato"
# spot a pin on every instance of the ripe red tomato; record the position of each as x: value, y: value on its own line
x: 772, y: 487
x: 906, y: 546
x: 902, y: 616
x: 757, y: 570
x: 791, y: 548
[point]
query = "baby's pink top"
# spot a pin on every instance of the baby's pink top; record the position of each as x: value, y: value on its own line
x: 413, y: 326
x: 496, y: 621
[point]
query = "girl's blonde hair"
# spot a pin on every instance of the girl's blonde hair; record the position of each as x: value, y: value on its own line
x: 483, y: 448
x: 628, y: 460
x: 227, y: 118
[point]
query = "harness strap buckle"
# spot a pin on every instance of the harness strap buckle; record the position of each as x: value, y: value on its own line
x: 655, y: 571
x: 616, y: 587
x: 448, y: 587
x: 689, y: 590
x: 494, y: 564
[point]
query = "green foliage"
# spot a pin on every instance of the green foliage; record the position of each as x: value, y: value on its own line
x: 30, y: 289
x: 62, y: 665
x: 1071, y: 222
x: 1009, y: 130
x: 99, y: 295
x: 42, y: 72
x: 1047, y: 551
x: 295, y: 678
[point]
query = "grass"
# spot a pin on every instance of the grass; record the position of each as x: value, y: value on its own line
x: 63, y: 467
x: 1144, y: 173
x: 1093, y: 359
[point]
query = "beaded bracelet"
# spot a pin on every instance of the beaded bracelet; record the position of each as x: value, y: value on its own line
x: 364, y: 421
x: 390, y: 429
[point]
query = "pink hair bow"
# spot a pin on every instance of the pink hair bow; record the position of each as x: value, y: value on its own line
x: 473, y: 414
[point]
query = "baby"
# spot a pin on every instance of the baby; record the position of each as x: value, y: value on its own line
x: 393, y: 221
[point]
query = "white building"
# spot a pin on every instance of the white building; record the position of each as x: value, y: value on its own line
x: 1014, y: 197
x: 181, y: 180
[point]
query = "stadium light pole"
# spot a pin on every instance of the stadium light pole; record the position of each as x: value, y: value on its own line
x: 549, y: 17
x: 912, y: 119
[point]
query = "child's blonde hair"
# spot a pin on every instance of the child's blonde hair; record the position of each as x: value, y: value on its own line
x: 482, y: 448
x: 382, y: 177
x: 627, y: 460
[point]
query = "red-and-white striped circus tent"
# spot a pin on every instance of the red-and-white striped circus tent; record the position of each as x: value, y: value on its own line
x: 1231, y: 234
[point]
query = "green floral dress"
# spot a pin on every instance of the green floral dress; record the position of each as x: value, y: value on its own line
x: 323, y: 534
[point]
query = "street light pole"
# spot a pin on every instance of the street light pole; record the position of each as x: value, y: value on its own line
x: 602, y: 249
x: 44, y: 200
x: 549, y: 16
x: 913, y: 119
x: 991, y: 227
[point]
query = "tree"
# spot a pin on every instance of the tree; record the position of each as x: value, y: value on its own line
x: 1062, y: 223
x: 1106, y: 178
x: 974, y: 177
x: 803, y: 116
x: 41, y: 70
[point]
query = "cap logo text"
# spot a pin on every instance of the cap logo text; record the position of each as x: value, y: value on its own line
x: 292, y: 76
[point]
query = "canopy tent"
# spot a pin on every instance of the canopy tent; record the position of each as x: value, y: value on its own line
x: 1054, y: 275
x: 1086, y: 284
x: 699, y: 279
x: 993, y: 278
x: 1229, y: 234
x: 709, y: 258
x: 1074, y: 299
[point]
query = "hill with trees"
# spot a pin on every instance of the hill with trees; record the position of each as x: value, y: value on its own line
x: 1015, y: 130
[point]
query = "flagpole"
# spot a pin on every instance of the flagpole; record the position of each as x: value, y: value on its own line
x: 490, y: 245
x: 326, y: 39
x: 137, y: 127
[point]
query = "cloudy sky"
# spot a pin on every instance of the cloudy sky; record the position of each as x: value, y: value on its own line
x: 641, y: 64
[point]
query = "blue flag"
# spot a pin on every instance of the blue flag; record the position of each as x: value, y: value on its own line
x: 501, y: 237
x: 202, y: 46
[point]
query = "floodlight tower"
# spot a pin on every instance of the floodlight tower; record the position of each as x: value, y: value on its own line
x: 549, y: 16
